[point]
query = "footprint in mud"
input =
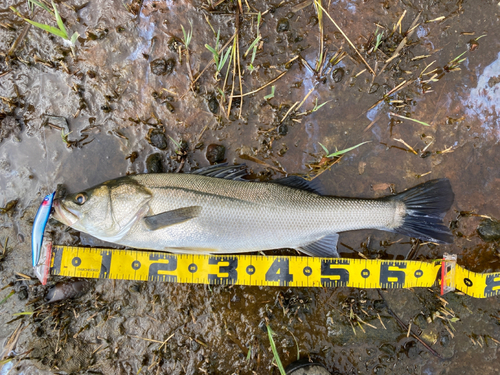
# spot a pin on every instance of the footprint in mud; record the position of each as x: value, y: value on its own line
x: 71, y: 356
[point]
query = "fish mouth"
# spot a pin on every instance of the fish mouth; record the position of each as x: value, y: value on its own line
x: 63, y: 215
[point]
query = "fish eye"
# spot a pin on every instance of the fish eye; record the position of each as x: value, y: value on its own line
x: 80, y: 198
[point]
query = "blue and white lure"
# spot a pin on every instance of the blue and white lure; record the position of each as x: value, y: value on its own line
x: 41, y: 218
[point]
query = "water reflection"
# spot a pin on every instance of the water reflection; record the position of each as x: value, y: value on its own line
x: 484, y: 100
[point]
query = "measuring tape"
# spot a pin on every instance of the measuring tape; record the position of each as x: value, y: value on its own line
x: 293, y: 271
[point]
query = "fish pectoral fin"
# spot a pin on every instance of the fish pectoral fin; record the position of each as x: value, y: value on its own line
x: 325, y: 247
x: 297, y: 182
x: 168, y: 218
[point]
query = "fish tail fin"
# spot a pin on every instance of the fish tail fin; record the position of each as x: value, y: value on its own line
x: 425, y: 207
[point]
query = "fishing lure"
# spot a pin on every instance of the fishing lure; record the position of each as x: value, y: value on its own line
x: 41, y: 218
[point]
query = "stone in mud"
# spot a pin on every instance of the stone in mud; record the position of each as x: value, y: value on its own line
x: 183, y: 146
x: 338, y: 75
x: 170, y: 107
x: 215, y: 153
x: 161, y: 67
x: 283, y: 25
x: 170, y: 65
x: 22, y: 294
x: 213, y: 104
x: 174, y: 44
x: 154, y: 163
x: 489, y: 230
x: 306, y: 367
x: 157, y: 138
x: 283, y: 129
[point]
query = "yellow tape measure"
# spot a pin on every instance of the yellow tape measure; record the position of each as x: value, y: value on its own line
x: 294, y: 271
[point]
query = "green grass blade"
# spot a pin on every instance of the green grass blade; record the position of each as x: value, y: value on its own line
x: 254, y: 43
x: 253, y: 55
x: 275, y: 351
x: 175, y: 142
x: 187, y: 35
x: 409, y: 118
x: 74, y: 37
x: 342, y: 152
x: 41, y: 5
x: 316, y: 106
x: 324, y: 148
x: 225, y: 57
x: 23, y: 313
x: 271, y: 95
x: 14, y: 9
x: 217, y: 40
x: 214, y: 53
x: 459, y: 56
x: 6, y: 360
x: 60, y: 22
x: 50, y: 29
x: 6, y: 298
x: 417, y: 121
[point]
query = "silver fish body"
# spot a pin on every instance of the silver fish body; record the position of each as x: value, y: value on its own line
x: 192, y: 213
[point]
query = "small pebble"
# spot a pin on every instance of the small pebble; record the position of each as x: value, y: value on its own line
x: 213, y: 104
x: 215, y: 153
x: 161, y: 67
x: 22, y: 294
x: 157, y: 138
x: 283, y: 25
x: 338, y: 75
x: 489, y: 230
x: 154, y: 163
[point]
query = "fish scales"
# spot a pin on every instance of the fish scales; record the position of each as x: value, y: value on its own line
x: 242, y: 216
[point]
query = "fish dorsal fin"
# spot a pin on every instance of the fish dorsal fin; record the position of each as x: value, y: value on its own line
x: 168, y: 218
x: 325, y: 247
x: 297, y: 182
x: 228, y: 172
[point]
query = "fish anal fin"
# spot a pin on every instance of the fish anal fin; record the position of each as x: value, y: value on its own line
x: 297, y: 182
x: 325, y: 247
x: 168, y: 218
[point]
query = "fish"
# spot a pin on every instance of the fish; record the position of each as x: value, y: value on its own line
x: 39, y: 224
x: 214, y: 210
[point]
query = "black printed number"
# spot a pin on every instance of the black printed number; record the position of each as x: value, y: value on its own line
x: 280, y: 271
x: 492, y: 285
x: 392, y: 278
x: 229, y: 269
x: 165, y: 263
x: 341, y: 274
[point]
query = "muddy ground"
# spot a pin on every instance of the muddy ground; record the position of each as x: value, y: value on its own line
x: 131, y: 75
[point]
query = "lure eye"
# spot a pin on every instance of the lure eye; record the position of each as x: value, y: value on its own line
x: 80, y: 198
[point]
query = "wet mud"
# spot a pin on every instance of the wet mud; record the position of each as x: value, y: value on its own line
x: 134, y: 99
